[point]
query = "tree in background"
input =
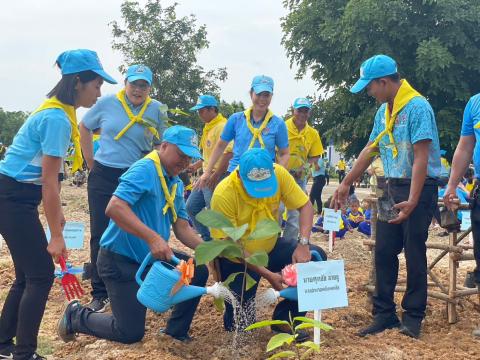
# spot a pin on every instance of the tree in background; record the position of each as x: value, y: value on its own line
x: 436, y: 44
x: 10, y: 123
x: 153, y: 35
x: 228, y: 109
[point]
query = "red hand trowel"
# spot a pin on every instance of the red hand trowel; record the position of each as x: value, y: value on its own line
x: 70, y: 283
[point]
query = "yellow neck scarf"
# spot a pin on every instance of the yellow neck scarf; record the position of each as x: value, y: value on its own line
x: 404, y: 95
x: 135, y: 118
x: 209, y: 126
x: 54, y: 103
x: 257, y: 204
x: 294, y: 133
x: 169, y: 196
x: 257, y: 132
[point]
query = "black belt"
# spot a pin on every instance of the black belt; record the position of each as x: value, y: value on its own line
x: 405, y: 181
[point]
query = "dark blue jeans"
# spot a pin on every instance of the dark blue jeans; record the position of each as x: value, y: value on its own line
x: 126, y: 324
x: 279, y: 257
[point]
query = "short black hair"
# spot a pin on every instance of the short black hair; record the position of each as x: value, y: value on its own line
x: 393, y: 77
x: 65, y: 88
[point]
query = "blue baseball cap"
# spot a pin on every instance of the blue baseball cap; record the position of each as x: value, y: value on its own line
x: 257, y: 173
x: 261, y: 83
x: 139, y: 72
x: 302, y: 102
x: 75, y: 61
x: 205, y: 101
x: 376, y: 67
x: 185, y: 138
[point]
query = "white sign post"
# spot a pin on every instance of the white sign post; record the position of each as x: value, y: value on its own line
x: 331, y: 222
x: 321, y: 285
x: 466, y: 220
x: 73, y: 233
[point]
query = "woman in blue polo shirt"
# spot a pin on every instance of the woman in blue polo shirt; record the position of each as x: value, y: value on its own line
x: 255, y: 127
x: 130, y: 123
x: 28, y: 175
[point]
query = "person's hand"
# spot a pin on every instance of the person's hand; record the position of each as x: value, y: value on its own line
x: 450, y: 198
x: 212, y: 180
x: 90, y: 163
x: 340, y: 196
x: 160, y: 249
x: 191, y: 169
x: 275, y: 279
x: 56, y: 248
x: 301, y: 254
x: 201, y: 181
x: 406, y: 208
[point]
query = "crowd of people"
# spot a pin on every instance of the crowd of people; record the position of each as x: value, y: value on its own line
x: 254, y: 165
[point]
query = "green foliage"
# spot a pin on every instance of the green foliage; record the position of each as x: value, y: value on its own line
x: 153, y: 35
x: 435, y: 43
x: 302, y: 350
x: 228, y: 109
x: 10, y: 123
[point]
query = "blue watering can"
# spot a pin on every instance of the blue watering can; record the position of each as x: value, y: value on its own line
x: 290, y: 293
x: 155, y: 290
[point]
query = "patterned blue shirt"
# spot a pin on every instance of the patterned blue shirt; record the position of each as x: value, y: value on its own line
x: 471, y: 117
x: 274, y: 135
x: 415, y: 122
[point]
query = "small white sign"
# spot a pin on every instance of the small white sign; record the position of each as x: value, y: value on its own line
x: 321, y: 285
x: 73, y: 233
x: 466, y: 220
x: 331, y: 219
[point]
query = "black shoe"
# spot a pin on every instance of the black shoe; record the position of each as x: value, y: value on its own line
x: 7, y: 352
x: 469, y: 280
x: 379, y: 325
x: 302, y: 336
x: 411, y: 331
x: 64, y: 330
x: 186, y: 338
x: 99, y: 305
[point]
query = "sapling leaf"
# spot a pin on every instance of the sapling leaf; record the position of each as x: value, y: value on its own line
x: 259, y: 258
x: 315, y: 323
x: 265, y: 228
x: 306, y: 354
x: 219, y: 304
x: 304, y: 326
x: 235, y: 233
x: 230, y: 278
x: 233, y: 250
x: 310, y: 345
x: 213, y: 219
x: 250, y: 282
x: 278, y: 340
x: 267, y: 323
x: 282, y: 355
x: 209, y: 250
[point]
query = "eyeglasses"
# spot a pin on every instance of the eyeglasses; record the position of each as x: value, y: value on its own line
x: 140, y: 85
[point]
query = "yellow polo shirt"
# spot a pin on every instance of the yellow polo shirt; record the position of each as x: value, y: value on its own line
x: 341, y: 165
x: 231, y: 199
x: 303, y: 144
x: 211, y: 138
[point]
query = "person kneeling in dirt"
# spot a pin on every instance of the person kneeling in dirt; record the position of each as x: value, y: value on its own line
x: 251, y: 193
x: 147, y: 202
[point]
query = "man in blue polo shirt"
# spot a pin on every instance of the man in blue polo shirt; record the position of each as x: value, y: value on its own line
x: 468, y: 147
x: 405, y: 133
x: 146, y: 204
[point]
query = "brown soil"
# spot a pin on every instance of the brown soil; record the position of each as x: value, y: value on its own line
x: 439, y: 339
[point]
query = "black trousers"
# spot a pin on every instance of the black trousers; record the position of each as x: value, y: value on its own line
x: 341, y: 175
x: 102, y: 183
x: 279, y: 257
x: 316, y: 192
x: 411, y: 236
x: 126, y: 323
x: 475, y: 216
x: 34, y: 270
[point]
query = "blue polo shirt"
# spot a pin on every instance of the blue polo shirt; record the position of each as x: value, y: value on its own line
x: 471, y: 117
x: 321, y: 168
x: 109, y: 115
x: 44, y: 133
x: 274, y: 135
x: 140, y: 187
x: 415, y: 122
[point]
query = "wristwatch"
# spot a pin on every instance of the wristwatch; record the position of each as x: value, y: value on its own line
x: 303, y: 240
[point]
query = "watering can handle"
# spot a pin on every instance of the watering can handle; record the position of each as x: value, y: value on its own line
x: 316, y: 255
x: 138, y: 276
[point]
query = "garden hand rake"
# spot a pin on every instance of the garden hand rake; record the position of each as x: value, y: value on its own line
x: 70, y: 283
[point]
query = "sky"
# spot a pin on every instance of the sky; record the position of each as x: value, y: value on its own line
x: 244, y: 37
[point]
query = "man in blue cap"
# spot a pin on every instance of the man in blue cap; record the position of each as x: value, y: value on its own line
x: 207, y: 109
x: 305, y: 149
x: 405, y: 134
x: 147, y: 203
x: 468, y: 149
x: 251, y: 193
